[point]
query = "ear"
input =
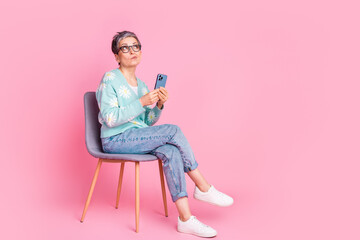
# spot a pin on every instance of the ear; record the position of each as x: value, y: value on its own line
x: 117, y: 58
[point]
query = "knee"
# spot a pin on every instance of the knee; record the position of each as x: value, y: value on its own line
x: 173, y: 127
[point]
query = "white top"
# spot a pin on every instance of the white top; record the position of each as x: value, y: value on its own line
x: 135, y: 89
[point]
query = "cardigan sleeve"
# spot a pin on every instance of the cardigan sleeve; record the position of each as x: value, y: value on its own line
x: 111, y: 113
x: 152, y: 115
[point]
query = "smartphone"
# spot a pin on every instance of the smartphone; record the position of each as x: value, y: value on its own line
x: 160, y: 80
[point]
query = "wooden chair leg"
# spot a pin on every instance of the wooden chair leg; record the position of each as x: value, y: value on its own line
x: 137, y: 195
x: 91, y: 189
x: 119, y: 184
x: 161, y: 171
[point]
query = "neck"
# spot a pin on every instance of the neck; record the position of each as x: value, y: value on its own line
x: 128, y: 72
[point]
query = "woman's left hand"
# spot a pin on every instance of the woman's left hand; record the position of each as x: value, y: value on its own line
x: 163, y: 96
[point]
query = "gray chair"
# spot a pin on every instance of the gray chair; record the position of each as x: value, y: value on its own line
x: 94, y: 147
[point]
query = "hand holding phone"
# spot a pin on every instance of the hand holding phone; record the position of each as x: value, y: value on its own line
x: 150, y: 98
x: 163, y: 96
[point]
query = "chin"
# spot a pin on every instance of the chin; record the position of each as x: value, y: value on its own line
x: 133, y: 65
x: 136, y: 63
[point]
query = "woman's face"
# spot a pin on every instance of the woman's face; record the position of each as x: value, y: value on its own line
x: 131, y: 58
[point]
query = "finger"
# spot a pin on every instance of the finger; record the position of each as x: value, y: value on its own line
x: 161, y: 98
x: 162, y: 94
x: 162, y: 89
x: 165, y: 93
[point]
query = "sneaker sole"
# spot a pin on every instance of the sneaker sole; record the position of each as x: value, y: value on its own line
x: 196, y: 234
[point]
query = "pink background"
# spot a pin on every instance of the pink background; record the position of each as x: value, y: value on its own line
x: 266, y: 92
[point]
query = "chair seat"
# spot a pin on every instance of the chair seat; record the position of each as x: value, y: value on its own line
x: 129, y: 157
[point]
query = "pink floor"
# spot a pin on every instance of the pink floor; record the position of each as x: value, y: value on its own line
x: 269, y: 204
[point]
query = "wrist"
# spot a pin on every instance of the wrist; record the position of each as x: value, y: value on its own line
x: 160, y: 106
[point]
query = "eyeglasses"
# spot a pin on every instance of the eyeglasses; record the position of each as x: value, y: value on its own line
x: 135, y: 48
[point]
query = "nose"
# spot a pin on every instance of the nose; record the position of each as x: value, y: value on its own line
x: 131, y: 50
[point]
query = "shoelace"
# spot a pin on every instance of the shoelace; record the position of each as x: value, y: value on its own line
x: 220, y: 194
x: 199, y: 223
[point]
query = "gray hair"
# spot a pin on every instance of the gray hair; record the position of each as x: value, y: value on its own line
x: 118, y: 37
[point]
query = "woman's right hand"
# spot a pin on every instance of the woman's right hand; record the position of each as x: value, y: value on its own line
x: 150, y: 98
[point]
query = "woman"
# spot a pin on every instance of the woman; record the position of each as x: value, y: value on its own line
x: 127, y: 120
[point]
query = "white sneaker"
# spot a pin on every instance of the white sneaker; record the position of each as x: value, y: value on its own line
x: 213, y: 196
x: 195, y: 227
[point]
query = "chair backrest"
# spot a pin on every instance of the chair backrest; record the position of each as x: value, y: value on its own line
x: 92, y: 125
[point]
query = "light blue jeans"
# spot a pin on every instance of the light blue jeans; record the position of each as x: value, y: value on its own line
x: 167, y: 142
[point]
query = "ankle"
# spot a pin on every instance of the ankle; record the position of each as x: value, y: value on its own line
x: 204, y: 189
x: 184, y: 218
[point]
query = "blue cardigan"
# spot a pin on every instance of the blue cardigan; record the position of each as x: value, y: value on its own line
x: 120, y: 108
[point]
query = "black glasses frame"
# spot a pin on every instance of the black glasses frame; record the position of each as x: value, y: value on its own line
x: 130, y: 46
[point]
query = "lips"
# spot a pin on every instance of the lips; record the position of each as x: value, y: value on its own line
x: 134, y: 57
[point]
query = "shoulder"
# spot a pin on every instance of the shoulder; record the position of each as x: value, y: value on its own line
x: 110, y: 76
x: 110, y: 80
